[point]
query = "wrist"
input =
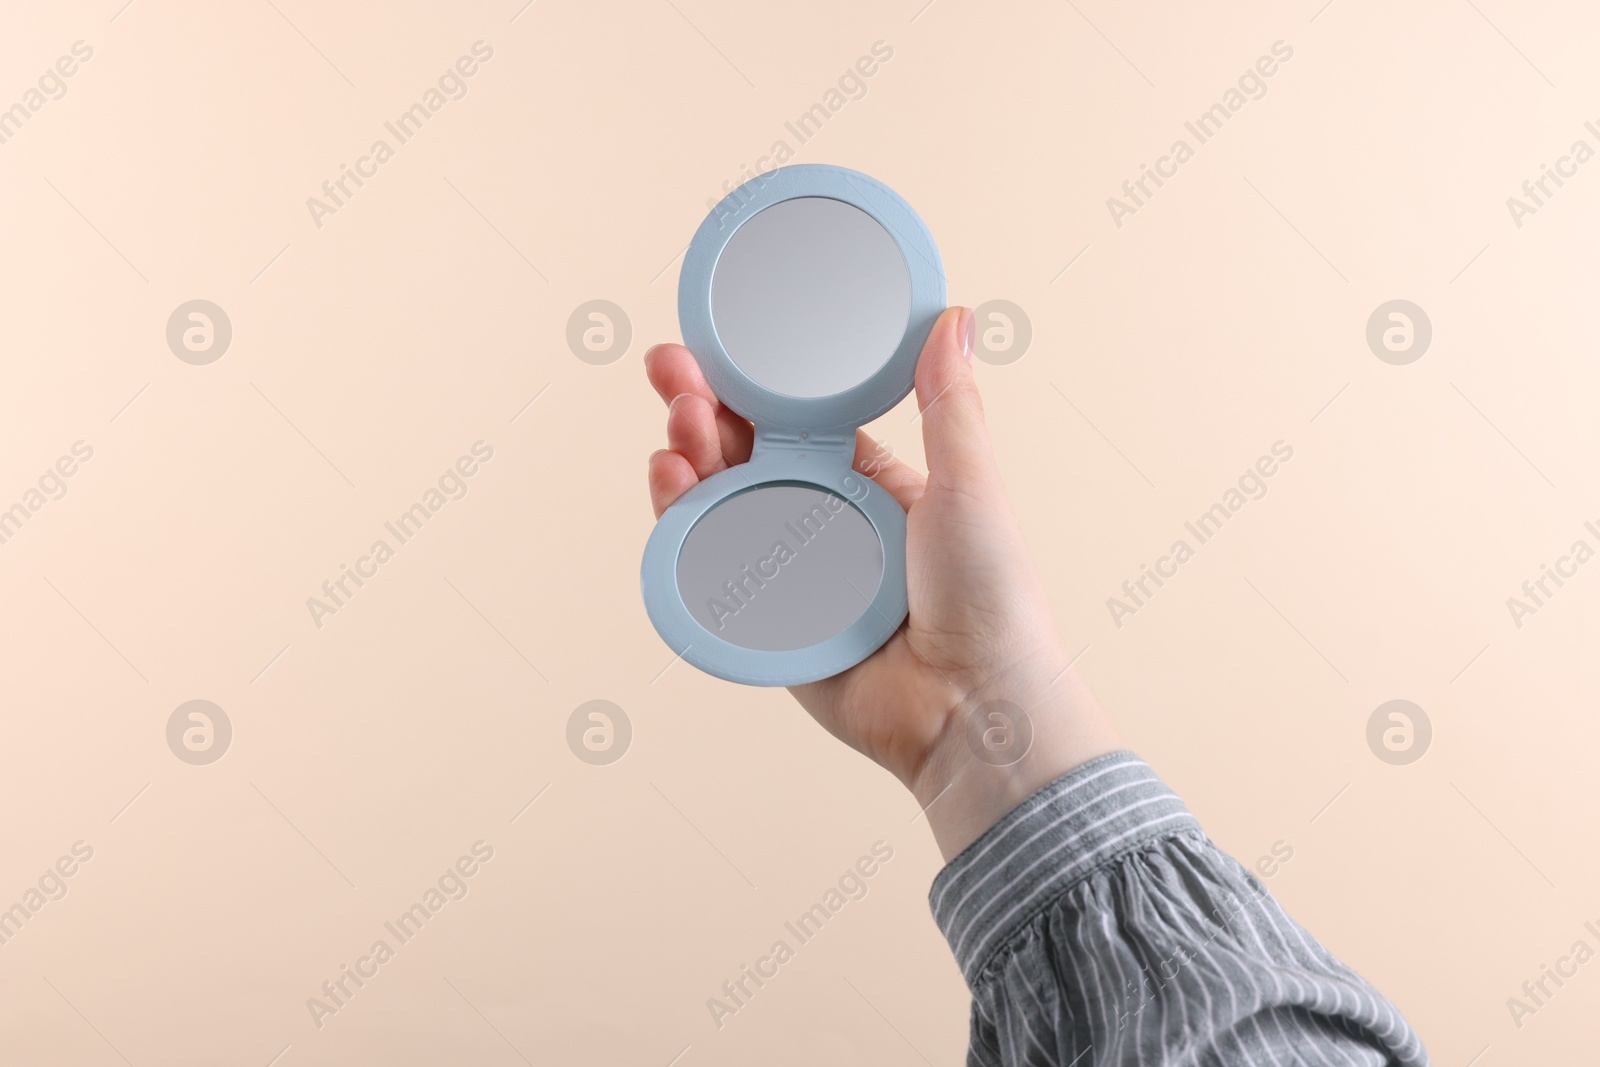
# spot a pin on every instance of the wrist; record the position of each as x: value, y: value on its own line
x: 1008, y: 737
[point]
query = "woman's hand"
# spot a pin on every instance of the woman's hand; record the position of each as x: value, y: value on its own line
x: 948, y: 704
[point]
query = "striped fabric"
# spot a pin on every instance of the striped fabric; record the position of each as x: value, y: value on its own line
x: 1097, y: 924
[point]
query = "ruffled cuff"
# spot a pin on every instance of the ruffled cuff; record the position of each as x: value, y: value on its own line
x: 1044, y: 846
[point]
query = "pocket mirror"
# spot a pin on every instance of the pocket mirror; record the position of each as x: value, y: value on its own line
x: 805, y: 297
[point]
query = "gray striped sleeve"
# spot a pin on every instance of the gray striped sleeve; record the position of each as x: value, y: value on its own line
x: 1097, y: 924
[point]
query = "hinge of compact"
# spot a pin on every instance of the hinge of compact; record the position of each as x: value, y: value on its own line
x: 804, y: 443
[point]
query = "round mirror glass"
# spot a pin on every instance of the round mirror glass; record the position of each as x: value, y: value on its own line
x: 810, y: 297
x: 780, y: 567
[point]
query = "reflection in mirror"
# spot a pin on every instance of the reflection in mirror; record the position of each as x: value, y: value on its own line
x: 811, y: 296
x: 780, y: 567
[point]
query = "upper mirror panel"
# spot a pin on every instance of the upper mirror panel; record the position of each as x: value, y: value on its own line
x: 810, y: 297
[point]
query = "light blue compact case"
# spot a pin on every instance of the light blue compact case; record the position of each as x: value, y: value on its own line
x: 806, y: 296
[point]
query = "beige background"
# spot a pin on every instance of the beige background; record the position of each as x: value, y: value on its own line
x: 369, y: 353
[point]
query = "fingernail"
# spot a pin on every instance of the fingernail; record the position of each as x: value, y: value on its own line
x: 968, y: 335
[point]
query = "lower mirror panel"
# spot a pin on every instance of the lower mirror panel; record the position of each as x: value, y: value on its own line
x: 780, y: 566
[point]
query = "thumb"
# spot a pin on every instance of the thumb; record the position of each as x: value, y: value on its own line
x: 955, y: 440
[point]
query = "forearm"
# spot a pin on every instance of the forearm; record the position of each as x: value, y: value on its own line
x: 1008, y: 738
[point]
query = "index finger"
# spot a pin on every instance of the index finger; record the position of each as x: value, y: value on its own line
x: 672, y: 370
